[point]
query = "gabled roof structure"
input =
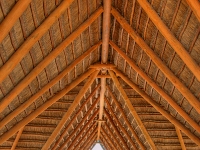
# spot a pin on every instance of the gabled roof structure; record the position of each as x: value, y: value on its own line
x: 123, y: 73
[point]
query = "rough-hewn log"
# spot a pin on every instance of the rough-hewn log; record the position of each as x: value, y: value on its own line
x: 119, y: 124
x: 82, y: 130
x: 158, y: 108
x: 105, y: 136
x: 167, y: 72
x: 169, y: 36
x: 178, y: 132
x: 125, y: 118
x: 17, y: 138
x: 80, y: 123
x: 48, y: 103
x: 47, y: 60
x: 23, y: 106
x: 195, y: 6
x: 70, y: 110
x: 116, y: 130
x: 157, y: 88
x: 132, y: 110
x: 32, y: 39
x: 9, y: 21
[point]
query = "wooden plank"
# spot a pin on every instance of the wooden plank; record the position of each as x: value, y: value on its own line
x: 23, y: 106
x: 178, y: 132
x: 195, y: 6
x: 158, y: 108
x: 10, y: 20
x: 157, y: 88
x: 132, y: 110
x: 48, y: 103
x: 17, y: 138
x: 70, y: 110
x: 166, y: 71
x: 32, y: 39
x: 172, y: 40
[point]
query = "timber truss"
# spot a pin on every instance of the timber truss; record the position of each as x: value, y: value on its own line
x: 105, y: 109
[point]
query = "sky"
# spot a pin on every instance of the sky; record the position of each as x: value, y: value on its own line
x: 97, y: 147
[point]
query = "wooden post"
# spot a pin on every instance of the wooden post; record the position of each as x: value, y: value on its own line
x: 158, y: 108
x: 48, y: 103
x: 178, y: 132
x: 159, y: 63
x: 23, y: 106
x: 132, y: 110
x: 17, y: 138
x: 158, y: 89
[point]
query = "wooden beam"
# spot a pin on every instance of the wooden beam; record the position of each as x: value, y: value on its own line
x: 172, y: 40
x: 45, y: 62
x: 157, y: 88
x: 159, y: 108
x: 106, y: 144
x: 159, y: 63
x: 103, y: 76
x: 89, y: 144
x: 10, y: 20
x: 70, y: 110
x: 17, y: 138
x: 114, y: 137
x: 32, y: 39
x: 92, y: 137
x: 126, y: 120
x: 132, y: 110
x: 23, y: 106
x: 73, y: 119
x: 116, y: 130
x: 48, y: 103
x: 195, y: 6
x: 105, y: 136
x: 178, y: 132
x: 102, y: 66
x: 82, y: 130
x: 119, y: 124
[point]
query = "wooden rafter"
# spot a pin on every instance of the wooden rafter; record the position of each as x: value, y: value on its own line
x: 172, y: 40
x: 92, y: 137
x: 73, y: 119
x: 119, y: 124
x: 159, y: 63
x: 45, y: 62
x: 116, y: 130
x: 80, y: 133
x: 32, y: 39
x: 195, y: 6
x: 178, y: 132
x: 9, y: 21
x: 48, y: 103
x: 89, y: 144
x: 23, y: 106
x: 17, y: 138
x: 105, y: 136
x: 102, y: 66
x: 132, y: 110
x: 70, y: 110
x: 157, y: 88
x: 125, y: 118
x: 105, y: 143
x: 113, y: 137
x: 158, y: 108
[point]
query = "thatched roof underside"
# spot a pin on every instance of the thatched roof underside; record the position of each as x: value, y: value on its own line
x: 51, y: 73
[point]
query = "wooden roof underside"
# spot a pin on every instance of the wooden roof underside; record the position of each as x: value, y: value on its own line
x: 124, y: 73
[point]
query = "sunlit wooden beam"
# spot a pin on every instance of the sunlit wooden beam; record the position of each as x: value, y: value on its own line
x: 44, y: 63
x: 125, y: 118
x: 116, y: 130
x: 119, y: 124
x: 132, y: 109
x: 157, y: 88
x: 169, y: 36
x: 10, y: 20
x: 159, y: 63
x: 195, y: 6
x: 70, y: 110
x: 74, y: 118
x: 17, y: 138
x: 178, y: 132
x: 159, y: 108
x: 48, y: 103
x: 28, y: 102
